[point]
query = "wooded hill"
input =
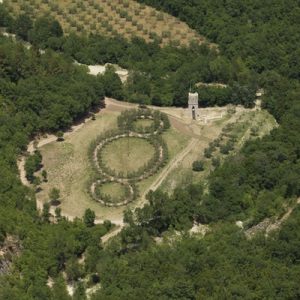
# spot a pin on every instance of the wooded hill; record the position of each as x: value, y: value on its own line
x: 45, y: 92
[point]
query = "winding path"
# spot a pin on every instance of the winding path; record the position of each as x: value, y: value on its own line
x: 277, y: 224
x: 111, y: 234
x: 268, y: 226
x: 40, y: 143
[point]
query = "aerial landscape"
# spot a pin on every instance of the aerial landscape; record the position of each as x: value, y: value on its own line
x: 149, y: 149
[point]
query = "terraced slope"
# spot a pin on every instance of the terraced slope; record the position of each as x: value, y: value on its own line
x: 111, y: 17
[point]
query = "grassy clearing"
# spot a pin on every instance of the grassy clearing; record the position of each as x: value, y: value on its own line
x: 127, y: 154
x: 127, y: 18
x: 69, y: 168
x: 115, y: 190
x: 144, y: 123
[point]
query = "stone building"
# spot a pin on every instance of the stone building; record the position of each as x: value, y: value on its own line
x: 193, y: 105
x: 258, y: 100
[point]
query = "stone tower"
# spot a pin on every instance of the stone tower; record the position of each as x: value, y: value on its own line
x: 193, y: 105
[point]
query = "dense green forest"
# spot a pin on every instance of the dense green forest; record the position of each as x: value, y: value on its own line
x: 40, y: 93
x: 265, y: 34
x: 259, y: 42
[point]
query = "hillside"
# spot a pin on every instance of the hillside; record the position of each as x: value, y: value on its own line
x: 211, y: 206
x: 117, y: 17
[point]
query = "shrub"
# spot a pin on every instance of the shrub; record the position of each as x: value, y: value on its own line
x: 33, y: 164
x: 215, y: 162
x: 225, y: 149
x: 123, y: 14
x: 89, y: 218
x: 198, y: 166
x: 60, y: 136
x: 208, y: 152
x: 45, y: 175
x: 54, y: 196
x: 254, y: 131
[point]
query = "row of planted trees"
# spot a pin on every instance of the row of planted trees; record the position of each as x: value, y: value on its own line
x: 148, y: 169
x: 130, y: 193
x: 103, y: 173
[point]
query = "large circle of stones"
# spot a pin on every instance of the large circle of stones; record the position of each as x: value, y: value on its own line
x: 127, y: 129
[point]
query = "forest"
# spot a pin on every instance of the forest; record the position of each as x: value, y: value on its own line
x: 264, y: 34
x: 259, y: 43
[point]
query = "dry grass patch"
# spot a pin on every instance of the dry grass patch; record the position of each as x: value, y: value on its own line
x: 127, y: 154
x: 143, y: 123
x: 114, y: 190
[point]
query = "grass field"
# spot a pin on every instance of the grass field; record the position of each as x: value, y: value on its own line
x: 69, y: 168
x: 115, y: 190
x: 127, y: 154
x: 144, y: 123
x: 110, y: 17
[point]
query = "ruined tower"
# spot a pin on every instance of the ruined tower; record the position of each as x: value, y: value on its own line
x: 193, y: 105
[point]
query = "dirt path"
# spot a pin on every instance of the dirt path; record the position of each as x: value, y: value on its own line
x: 169, y: 168
x: 21, y: 168
x: 41, y: 141
x: 111, y: 234
x: 277, y: 224
x: 268, y: 226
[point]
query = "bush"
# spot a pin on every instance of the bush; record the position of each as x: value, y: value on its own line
x: 89, y: 218
x: 225, y: 149
x: 215, y: 162
x: 54, y: 196
x: 33, y: 164
x: 208, y: 152
x: 198, y: 166
x: 60, y: 136
x: 254, y: 131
